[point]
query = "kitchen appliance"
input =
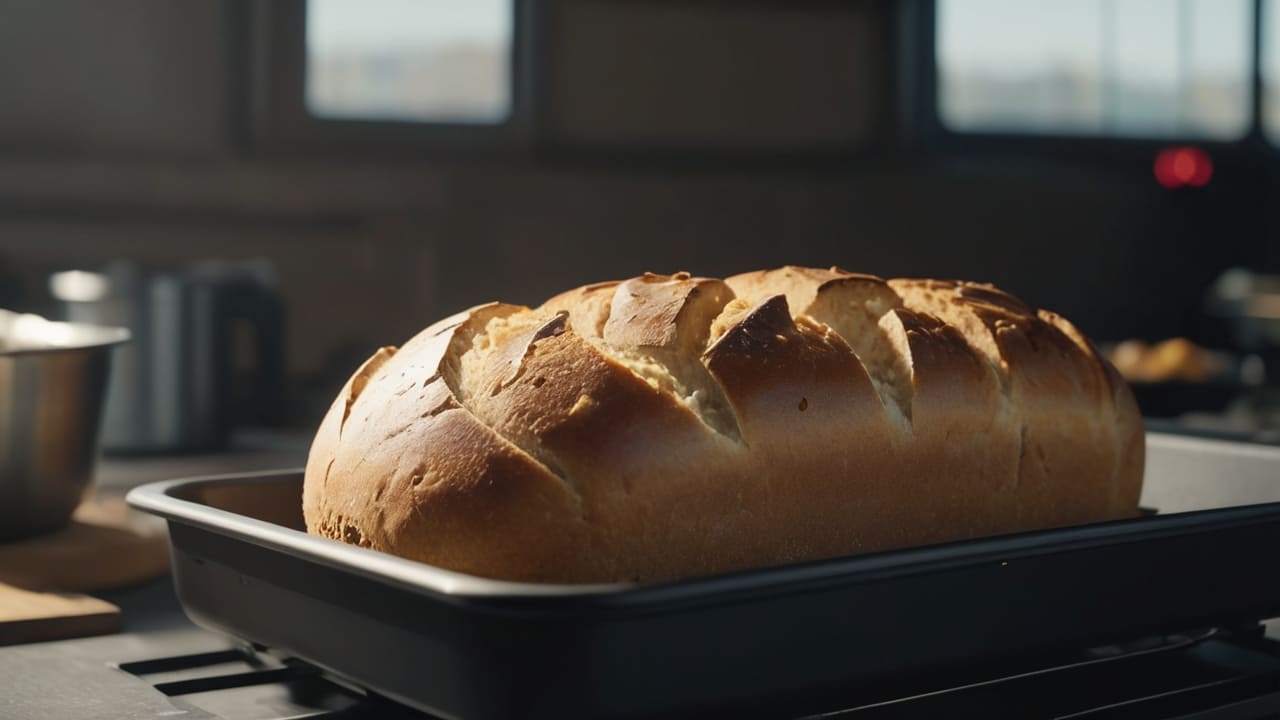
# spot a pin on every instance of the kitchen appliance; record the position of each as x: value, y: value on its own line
x: 52, y: 381
x: 1036, y: 610
x: 208, y: 350
x: 1250, y: 303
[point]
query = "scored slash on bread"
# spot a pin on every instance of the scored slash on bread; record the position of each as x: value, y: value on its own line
x: 672, y: 426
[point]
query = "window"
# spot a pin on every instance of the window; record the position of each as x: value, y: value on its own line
x: 1126, y: 68
x: 1271, y: 70
x: 442, y: 61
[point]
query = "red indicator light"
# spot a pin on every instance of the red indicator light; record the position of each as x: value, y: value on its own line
x: 1177, y: 167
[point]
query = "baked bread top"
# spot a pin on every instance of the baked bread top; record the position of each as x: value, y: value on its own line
x: 668, y: 426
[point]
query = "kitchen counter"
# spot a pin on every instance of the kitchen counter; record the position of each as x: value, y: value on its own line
x: 1252, y: 417
x: 70, y: 679
x: 116, y: 676
x: 249, y: 450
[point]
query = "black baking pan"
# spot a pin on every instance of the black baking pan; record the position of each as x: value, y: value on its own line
x: 462, y: 646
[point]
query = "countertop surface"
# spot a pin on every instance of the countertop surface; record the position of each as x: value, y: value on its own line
x: 250, y: 450
x: 69, y: 679
x: 81, y: 678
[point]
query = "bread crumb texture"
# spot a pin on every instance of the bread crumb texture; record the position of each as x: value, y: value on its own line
x: 670, y: 426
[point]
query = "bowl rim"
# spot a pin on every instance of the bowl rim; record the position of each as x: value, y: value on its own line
x: 98, y: 336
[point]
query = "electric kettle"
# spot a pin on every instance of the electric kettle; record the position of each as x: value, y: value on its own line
x: 207, y: 351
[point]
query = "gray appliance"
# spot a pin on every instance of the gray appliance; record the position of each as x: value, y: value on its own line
x: 207, y: 351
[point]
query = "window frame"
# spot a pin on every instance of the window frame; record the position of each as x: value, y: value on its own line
x: 269, y: 57
x: 926, y: 127
x: 278, y: 116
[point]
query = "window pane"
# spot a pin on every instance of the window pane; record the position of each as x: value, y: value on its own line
x: 1139, y: 68
x: 1219, y: 64
x: 410, y: 60
x: 1271, y: 70
x: 1142, y: 85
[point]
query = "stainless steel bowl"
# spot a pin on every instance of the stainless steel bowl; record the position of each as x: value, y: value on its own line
x: 53, y: 377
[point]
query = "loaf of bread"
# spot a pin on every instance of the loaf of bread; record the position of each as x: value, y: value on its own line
x: 665, y: 427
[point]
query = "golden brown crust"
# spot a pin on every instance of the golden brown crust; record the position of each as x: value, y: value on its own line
x: 588, y: 307
x: 669, y: 426
x: 1130, y: 442
x: 812, y: 408
x: 1055, y: 393
x: 413, y: 473
x: 801, y: 285
x: 957, y: 421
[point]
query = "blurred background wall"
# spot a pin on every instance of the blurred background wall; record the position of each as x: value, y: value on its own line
x: 707, y: 136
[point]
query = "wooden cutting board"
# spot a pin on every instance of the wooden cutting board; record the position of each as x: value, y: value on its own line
x: 105, y: 546
x: 29, y: 616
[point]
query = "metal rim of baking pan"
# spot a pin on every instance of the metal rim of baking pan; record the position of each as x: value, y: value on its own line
x: 166, y: 500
